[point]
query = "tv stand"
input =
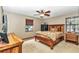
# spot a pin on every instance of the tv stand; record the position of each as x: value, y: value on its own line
x: 14, y: 45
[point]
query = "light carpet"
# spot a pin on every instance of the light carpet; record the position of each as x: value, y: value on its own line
x: 32, y: 46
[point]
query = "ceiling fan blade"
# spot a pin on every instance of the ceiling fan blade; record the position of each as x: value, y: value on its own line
x: 46, y: 14
x: 38, y: 11
x: 47, y: 11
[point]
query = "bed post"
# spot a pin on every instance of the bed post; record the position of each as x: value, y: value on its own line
x: 35, y: 38
x: 51, y: 46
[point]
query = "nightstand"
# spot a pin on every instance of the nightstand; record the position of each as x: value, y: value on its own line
x: 71, y: 37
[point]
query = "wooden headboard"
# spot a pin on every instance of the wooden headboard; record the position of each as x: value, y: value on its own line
x: 59, y: 27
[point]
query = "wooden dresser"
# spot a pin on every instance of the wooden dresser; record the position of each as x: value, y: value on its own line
x: 14, y: 45
x: 72, y: 37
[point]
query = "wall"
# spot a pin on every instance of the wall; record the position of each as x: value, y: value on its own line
x: 59, y: 19
x: 16, y: 24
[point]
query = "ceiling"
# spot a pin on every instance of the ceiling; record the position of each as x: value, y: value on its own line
x: 31, y: 11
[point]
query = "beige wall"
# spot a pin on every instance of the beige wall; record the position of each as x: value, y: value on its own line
x: 59, y: 19
x: 16, y: 24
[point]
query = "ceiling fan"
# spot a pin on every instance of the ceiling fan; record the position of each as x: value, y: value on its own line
x: 43, y: 13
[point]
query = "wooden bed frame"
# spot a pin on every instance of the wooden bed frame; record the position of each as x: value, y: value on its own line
x: 50, y: 42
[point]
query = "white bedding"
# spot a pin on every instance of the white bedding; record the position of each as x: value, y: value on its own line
x: 49, y: 34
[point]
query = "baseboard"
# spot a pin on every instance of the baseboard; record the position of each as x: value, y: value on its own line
x: 28, y: 38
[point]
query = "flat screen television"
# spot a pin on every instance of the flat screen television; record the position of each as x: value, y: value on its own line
x: 4, y: 37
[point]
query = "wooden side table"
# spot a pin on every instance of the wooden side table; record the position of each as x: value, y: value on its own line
x: 71, y: 37
x: 14, y: 45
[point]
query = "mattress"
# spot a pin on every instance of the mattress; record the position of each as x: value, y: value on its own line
x: 49, y: 34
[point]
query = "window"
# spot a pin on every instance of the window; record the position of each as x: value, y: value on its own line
x: 72, y: 24
x: 29, y: 25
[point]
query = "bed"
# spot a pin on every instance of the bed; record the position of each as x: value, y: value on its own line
x: 54, y: 35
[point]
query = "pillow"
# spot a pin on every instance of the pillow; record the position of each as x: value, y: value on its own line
x: 56, y: 29
x: 52, y: 29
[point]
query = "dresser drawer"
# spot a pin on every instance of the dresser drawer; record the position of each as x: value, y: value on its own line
x: 71, y: 37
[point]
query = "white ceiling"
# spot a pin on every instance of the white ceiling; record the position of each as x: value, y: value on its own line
x: 31, y: 11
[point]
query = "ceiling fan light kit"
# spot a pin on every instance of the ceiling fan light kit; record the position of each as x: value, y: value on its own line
x: 42, y: 15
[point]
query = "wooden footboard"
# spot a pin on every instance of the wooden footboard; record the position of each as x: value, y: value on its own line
x: 47, y: 41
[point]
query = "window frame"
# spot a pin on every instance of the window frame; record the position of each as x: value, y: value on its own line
x: 28, y: 25
x: 73, y: 26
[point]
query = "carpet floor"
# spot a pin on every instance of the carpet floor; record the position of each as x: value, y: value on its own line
x: 32, y: 46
